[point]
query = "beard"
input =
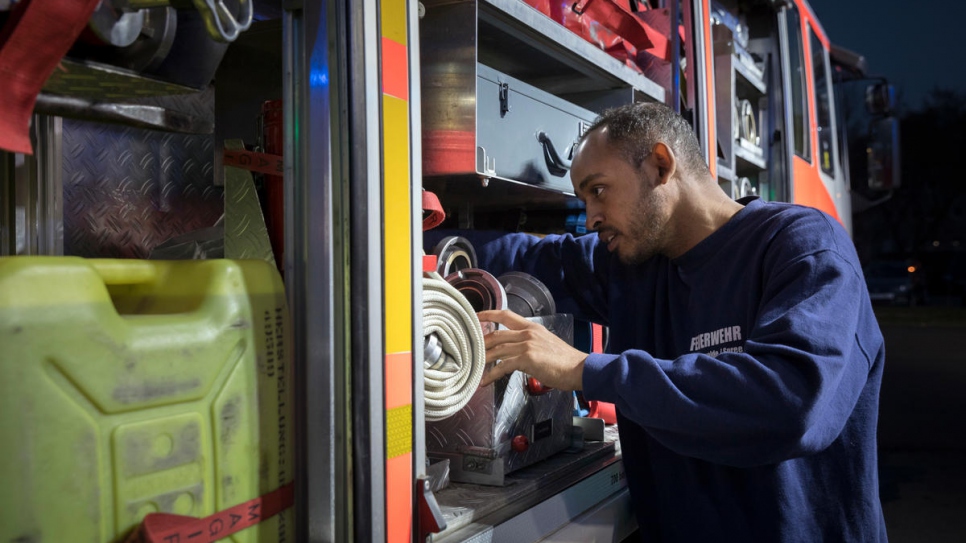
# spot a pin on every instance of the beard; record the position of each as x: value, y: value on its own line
x: 646, y: 230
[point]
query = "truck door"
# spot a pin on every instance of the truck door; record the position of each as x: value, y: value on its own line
x: 825, y: 122
x: 807, y: 185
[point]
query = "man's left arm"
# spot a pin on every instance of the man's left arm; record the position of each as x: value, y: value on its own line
x: 789, y: 393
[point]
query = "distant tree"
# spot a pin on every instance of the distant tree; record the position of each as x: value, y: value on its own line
x: 933, y: 146
x: 930, y: 204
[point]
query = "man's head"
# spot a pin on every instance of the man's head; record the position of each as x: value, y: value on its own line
x: 635, y: 129
x: 622, y: 170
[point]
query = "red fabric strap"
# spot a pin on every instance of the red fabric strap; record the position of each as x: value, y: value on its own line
x: 168, y: 528
x: 32, y: 42
x: 256, y: 162
x: 435, y: 209
x: 616, y: 17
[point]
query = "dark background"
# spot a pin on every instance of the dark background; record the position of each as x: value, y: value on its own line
x: 919, y: 47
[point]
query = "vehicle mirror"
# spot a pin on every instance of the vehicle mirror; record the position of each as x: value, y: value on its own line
x: 883, y: 154
x: 880, y: 98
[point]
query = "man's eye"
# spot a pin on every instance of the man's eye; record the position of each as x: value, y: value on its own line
x: 598, y: 191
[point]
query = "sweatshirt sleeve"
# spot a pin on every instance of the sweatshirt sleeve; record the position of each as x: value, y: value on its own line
x: 788, y: 394
x: 573, y: 269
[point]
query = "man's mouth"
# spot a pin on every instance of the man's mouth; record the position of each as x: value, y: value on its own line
x: 610, y: 239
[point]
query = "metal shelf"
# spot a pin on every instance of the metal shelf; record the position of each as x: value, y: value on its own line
x: 96, y: 81
x: 750, y: 153
x: 750, y: 73
x: 580, y: 479
x: 724, y: 171
x: 517, y: 19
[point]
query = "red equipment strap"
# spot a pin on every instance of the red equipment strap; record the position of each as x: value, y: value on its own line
x: 435, y: 209
x: 32, y: 42
x: 256, y: 162
x: 168, y: 528
x: 616, y: 17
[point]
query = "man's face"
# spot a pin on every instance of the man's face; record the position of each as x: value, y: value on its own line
x: 622, y: 204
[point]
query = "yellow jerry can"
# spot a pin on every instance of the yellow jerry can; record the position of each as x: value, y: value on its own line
x: 129, y: 387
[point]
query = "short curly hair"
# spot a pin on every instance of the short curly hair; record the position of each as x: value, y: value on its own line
x: 636, y: 128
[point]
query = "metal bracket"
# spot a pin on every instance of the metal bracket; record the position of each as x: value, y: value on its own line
x: 485, y: 164
x: 139, y: 115
x: 431, y: 519
x: 593, y: 428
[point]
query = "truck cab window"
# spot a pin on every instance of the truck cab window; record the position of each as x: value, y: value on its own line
x: 823, y: 104
x: 799, y: 101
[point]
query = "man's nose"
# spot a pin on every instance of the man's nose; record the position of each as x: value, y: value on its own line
x: 593, y: 220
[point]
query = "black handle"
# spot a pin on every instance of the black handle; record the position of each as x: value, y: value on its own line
x: 555, y: 165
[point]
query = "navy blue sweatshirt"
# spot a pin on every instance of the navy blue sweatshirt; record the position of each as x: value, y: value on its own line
x: 745, y: 372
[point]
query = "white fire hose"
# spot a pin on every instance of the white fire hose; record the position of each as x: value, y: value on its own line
x: 455, y: 354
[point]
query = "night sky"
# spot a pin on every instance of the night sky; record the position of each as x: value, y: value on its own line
x: 917, y: 45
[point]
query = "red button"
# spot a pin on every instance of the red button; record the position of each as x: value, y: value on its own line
x: 520, y: 443
x: 536, y: 387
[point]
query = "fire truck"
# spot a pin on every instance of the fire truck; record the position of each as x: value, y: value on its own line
x: 320, y: 137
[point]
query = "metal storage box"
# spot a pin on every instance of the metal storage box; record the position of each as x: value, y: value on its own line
x: 520, y: 134
x: 506, y: 91
x: 478, y: 440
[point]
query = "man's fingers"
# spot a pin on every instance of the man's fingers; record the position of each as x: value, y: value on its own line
x: 501, y: 337
x: 502, y: 345
x: 505, y: 317
x: 497, y: 370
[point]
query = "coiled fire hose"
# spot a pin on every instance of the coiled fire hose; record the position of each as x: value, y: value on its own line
x: 455, y: 354
x: 748, y: 127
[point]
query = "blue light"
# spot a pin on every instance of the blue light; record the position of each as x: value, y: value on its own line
x: 319, y: 76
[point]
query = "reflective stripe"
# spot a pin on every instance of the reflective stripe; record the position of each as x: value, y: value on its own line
x: 397, y: 219
x: 397, y: 269
x: 399, y: 431
x: 395, y: 69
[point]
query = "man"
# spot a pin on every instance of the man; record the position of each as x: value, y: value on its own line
x: 744, y: 358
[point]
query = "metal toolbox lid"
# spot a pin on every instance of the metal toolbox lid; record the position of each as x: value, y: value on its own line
x: 519, y: 87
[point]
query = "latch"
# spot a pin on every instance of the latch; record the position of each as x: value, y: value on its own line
x: 504, y: 99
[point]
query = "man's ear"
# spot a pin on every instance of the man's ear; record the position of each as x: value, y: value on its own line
x: 663, y: 160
